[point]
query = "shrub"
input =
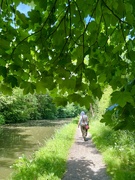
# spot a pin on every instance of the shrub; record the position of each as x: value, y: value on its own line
x: 2, y: 119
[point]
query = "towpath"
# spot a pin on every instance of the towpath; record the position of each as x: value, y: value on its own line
x: 84, y: 161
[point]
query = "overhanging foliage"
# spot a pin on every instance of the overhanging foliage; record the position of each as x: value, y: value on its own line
x: 72, y: 47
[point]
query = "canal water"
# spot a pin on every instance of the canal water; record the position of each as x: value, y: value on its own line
x: 23, y: 139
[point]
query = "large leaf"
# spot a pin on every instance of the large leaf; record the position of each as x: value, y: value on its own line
x: 5, y: 89
x: 122, y: 98
x: 4, y: 43
x: 3, y: 71
x: 11, y: 80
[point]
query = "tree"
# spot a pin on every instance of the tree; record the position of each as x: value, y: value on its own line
x: 46, y: 107
x: 71, y: 47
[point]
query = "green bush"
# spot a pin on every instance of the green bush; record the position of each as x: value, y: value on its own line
x: 69, y: 111
x: 117, y: 147
x: 21, y: 108
x: 2, y: 119
x: 46, y: 107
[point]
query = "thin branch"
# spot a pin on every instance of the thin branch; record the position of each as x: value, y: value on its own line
x: 58, y: 24
x: 57, y: 58
x: 79, y: 13
x: 49, y: 14
x: 34, y: 32
x: 70, y: 16
x: 1, y: 4
x: 75, y: 41
x: 91, y: 16
x: 23, y: 41
x: 120, y: 20
x: 83, y: 47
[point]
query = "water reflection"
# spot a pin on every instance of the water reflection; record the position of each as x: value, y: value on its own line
x: 21, y: 139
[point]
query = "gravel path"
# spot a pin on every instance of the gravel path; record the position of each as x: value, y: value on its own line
x: 84, y: 161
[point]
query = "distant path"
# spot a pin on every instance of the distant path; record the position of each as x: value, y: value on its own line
x: 84, y: 161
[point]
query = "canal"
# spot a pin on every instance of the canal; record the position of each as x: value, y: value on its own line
x: 23, y: 139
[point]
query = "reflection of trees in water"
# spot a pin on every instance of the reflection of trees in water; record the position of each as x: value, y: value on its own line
x: 45, y: 123
x: 11, y: 141
x: 24, y: 138
x: 20, y: 138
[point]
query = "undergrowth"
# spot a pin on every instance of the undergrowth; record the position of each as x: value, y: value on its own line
x: 118, y: 150
x: 117, y: 147
x: 49, y: 162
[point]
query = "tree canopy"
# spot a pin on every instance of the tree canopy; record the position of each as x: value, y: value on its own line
x: 74, y: 48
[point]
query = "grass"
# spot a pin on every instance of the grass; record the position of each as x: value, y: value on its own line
x: 116, y: 147
x: 49, y: 162
x: 118, y: 150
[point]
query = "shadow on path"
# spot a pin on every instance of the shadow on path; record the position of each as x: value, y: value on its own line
x: 85, y: 162
x: 82, y: 171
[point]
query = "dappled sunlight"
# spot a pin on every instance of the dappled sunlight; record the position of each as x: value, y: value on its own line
x: 83, y: 170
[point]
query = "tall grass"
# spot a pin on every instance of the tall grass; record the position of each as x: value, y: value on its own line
x: 49, y: 163
x: 118, y: 150
x: 117, y: 147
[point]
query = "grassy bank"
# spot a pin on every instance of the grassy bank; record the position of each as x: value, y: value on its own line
x: 118, y: 150
x: 49, y: 163
x: 117, y: 147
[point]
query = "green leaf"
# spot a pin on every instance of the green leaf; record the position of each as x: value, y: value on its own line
x: 10, y: 79
x: 23, y: 48
x: 121, y: 98
x: 5, y: 89
x: 121, y: 9
x: 129, y: 8
x: 133, y: 90
x: 117, y: 48
x: 60, y: 101
x: 102, y: 78
x: 130, y: 18
x: 43, y: 4
x: 102, y: 40
x: 27, y: 87
x: 97, y: 92
x: 41, y: 87
x: 35, y: 16
x: 24, y: 75
x: 77, y: 54
x: 2, y: 63
x: 113, y: 20
x: 3, y: 71
x: 92, y: 26
x: 23, y: 19
x: 107, y: 118
x: 132, y: 54
x: 44, y: 84
x: 68, y: 83
x: 74, y: 97
x: 90, y: 74
x: 85, y: 101
x: 4, y: 43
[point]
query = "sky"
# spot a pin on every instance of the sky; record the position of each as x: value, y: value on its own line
x: 23, y: 8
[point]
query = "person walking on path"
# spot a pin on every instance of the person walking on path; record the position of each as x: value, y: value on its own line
x: 84, y: 161
x: 83, y: 121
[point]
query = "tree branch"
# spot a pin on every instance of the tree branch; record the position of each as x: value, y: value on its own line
x: 91, y: 16
x: 120, y: 20
x: 34, y: 32
x: 79, y: 13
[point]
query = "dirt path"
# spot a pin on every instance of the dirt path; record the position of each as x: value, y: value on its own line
x: 85, y: 162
